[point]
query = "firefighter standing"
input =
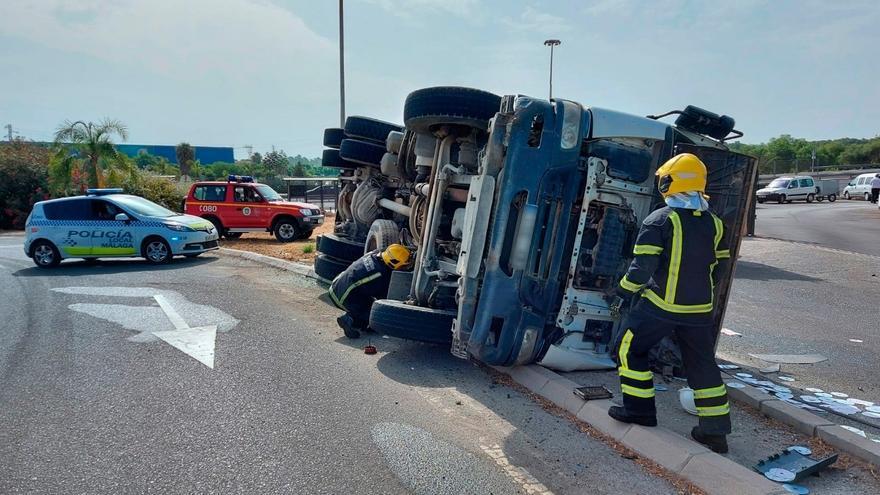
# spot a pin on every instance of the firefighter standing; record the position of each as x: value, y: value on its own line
x: 677, y: 253
x: 364, y: 281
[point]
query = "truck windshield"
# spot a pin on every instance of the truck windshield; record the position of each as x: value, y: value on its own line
x: 141, y: 206
x: 779, y: 183
x: 268, y: 193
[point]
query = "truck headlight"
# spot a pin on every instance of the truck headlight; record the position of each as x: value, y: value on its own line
x: 571, y: 125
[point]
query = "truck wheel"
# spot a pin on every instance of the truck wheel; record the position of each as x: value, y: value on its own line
x: 810, y: 198
x: 45, y: 254
x: 781, y: 198
x: 331, y: 158
x: 328, y: 268
x: 361, y: 152
x: 428, y: 108
x: 760, y: 201
x: 286, y: 230
x: 369, y: 129
x: 333, y: 136
x: 832, y: 198
x: 339, y: 247
x: 396, y: 319
x: 382, y: 234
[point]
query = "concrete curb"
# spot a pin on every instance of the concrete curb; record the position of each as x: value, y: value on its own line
x: 298, y: 268
x: 808, y: 423
x: 710, y: 471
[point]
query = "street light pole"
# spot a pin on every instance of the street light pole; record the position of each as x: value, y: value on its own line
x: 341, y: 68
x: 551, y: 44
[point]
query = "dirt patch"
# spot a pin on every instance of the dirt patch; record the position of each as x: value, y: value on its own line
x: 265, y: 243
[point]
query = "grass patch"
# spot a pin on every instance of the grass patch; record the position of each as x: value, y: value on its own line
x: 308, y: 249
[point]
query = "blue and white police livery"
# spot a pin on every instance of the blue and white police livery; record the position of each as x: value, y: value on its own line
x: 107, y: 224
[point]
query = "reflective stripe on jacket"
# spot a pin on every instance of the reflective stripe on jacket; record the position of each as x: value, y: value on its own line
x: 675, y: 257
x: 367, y: 277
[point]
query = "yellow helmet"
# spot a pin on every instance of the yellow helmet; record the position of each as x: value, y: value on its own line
x: 682, y: 173
x: 396, y: 256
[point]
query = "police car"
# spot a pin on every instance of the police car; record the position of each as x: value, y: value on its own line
x: 108, y: 224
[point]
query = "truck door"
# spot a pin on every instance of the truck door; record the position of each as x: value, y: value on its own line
x: 250, y: 208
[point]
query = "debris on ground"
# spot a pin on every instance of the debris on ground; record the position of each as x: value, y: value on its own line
x: 370, y: 349
x: 792, y: 465
x: 790, y: 358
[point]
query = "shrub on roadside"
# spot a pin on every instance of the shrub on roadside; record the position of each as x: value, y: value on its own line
x: 23, y: 181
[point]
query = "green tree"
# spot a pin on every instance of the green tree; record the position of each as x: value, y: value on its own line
x: 298, y: 170
x: 257, y: 158
x: 186, y: 154
x: 24, y: 171
x: 87, y: 148
x: 275, y: 162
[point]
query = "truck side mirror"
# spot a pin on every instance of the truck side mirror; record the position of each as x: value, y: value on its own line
x: 122, y: 217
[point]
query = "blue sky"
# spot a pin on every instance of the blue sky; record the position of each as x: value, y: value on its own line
x: 264, y: 72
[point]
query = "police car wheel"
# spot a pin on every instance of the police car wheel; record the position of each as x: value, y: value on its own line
x: 157, y: 251
x: 286, y: 231
x: 45, y: 255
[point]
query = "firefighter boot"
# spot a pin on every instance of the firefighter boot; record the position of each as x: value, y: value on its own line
x: 346, y: 323
x: 718, y: 443
x: 620, y: 414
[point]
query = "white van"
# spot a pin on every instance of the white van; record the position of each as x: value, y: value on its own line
x: 788, y: 189
x: 859, y: 187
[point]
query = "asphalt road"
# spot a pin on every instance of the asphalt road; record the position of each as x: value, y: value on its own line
x: 847, y: 225
x: 93, y: 401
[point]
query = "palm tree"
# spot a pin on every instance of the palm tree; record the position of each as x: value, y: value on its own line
x: 88, y: 147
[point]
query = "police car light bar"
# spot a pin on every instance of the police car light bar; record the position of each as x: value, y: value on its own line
x: 239, y: 178
x: 103, y: 191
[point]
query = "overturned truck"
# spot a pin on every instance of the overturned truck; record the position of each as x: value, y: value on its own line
x: 523, y: 213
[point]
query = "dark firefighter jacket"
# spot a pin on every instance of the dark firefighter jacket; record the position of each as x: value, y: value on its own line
x: 363, y: 281
x: 677, y: 254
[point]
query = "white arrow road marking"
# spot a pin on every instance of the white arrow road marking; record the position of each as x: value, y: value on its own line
x: 197, y: 342
x: 152, y: 322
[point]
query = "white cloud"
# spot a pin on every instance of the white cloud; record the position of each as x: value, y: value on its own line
x: 538, y: 21
x: 411, y: 9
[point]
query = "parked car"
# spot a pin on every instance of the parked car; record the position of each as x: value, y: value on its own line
x: 788, y: 189
x: 108, y: 224
x: 859, y: 187
x: 241, y: 205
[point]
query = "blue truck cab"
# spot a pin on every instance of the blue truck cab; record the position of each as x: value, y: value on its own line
x: 522, y: 263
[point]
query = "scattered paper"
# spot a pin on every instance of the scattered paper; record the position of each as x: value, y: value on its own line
x: 813, y: 390
x: 811, y: 399
x: 871, y: 414
x: 854, y: 430
x: 731, y: 333
x: 661, y: 388
x: 821, y: 394
x: 744, y: 375
x: 791, y: 358
x: 857, y: 341
x: 873, y: 409
x: 800, y: 449
x: 728, y: 367
x: 786, y: 378
x: 840, y: 395
x: 859, y: 402
x: 735, y: 385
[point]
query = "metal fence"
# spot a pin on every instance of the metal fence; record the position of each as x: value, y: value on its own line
x: 320, y: 191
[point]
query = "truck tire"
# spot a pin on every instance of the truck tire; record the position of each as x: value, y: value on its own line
x: 369, y: 129
x: 382, y: 234
x: 339, y: 247
x: 396, y: 319
x: 331, y: 158
x: 426, y: 109
x: 328, y: 268
x: 362, y: 152
x: 333, y: 136
x: 832, y: 198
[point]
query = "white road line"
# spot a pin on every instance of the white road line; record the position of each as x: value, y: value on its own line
x: 172, y: 314
x: 519, y: 475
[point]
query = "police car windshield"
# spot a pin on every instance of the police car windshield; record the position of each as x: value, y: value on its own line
x: 141, y: 206
x: 268, y: 193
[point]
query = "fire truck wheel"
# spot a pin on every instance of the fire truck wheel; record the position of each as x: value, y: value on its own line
x: 339, y: 247
x: 328, y: 268
x: 429, y: 108
x: 362, y: 152
x: 396, y: 319
x: 232, y: 235
x: 333, y: 136
x: 286, y: 230
x: 331, y: 158
x: 369, y: 129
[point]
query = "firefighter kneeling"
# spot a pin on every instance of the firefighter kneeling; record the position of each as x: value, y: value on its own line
x: 366, y: 280
x: 677, y: 254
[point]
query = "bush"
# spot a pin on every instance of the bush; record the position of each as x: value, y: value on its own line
x: 156, y: 189
x: 23, y: 181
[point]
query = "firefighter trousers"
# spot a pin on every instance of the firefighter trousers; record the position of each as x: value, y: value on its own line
x: 697, y: 343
